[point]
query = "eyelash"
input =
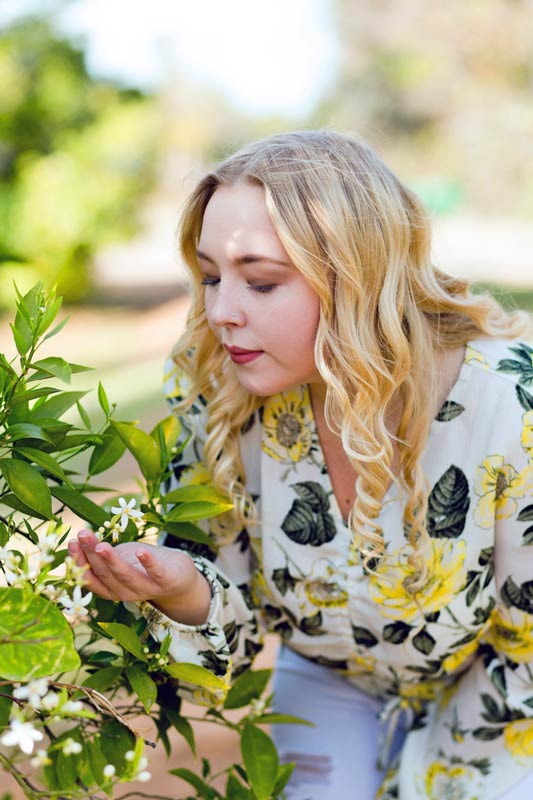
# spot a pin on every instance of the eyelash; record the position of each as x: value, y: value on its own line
x: 261, y: 288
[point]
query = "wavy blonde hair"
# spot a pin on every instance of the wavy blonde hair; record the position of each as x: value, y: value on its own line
x: 362, y: 240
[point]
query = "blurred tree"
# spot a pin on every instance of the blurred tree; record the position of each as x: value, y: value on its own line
x: 76, y: 155
x: 446, y: 90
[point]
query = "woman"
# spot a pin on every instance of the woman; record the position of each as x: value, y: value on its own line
x: 369, y: 418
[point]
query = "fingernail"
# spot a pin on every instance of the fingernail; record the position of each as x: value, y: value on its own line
x: 84, y: 537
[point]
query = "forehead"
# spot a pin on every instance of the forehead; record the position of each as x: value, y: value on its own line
x: 237, y: 211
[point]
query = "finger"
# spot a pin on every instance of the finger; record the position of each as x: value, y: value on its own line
x: 127, y: 581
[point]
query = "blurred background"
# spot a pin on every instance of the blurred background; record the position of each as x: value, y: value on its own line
x: 111, y: 109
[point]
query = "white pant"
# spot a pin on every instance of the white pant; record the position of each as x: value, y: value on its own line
x: 335, y: 759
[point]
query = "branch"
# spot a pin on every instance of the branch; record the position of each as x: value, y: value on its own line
x: 101, y: 703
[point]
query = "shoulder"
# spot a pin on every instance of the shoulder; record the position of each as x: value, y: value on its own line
x: 501, y: 360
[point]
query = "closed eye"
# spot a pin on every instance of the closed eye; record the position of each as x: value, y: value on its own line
x: 262, y: 288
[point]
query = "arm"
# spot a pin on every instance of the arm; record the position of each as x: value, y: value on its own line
x: 199, y: 598
x: 478, y: 740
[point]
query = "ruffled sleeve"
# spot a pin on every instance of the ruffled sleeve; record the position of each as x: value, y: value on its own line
x: 228, y: 641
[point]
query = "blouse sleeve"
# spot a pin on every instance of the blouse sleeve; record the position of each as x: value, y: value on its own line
x: 228, y: 641
x: 478, y: 740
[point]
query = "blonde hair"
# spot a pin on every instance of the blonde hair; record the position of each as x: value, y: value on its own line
x: 362, y: 240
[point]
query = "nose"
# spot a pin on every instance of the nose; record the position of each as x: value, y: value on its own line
x: 224, y: 308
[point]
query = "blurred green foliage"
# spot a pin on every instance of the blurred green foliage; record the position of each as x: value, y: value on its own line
x: 76, y: 156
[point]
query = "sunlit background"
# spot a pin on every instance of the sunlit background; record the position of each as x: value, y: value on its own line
x: 110, y: 109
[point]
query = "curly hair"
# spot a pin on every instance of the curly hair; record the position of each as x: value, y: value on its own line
x: 362, y: 241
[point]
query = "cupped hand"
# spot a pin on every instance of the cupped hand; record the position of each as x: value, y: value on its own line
x: 135, y: 571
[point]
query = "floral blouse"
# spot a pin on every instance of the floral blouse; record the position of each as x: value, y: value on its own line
x: 459, y: 664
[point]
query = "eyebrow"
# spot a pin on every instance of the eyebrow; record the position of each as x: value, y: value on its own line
x: 249, y: 258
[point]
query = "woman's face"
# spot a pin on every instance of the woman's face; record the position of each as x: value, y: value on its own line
x: 259, y: 306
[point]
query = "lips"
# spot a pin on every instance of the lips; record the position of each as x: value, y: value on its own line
x: 239, y: 355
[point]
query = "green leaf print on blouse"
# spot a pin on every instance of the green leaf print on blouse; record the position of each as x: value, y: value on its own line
x: 522, y: 365
x: 308, y: 521
x: 448, y: 505
x: 450, y: 410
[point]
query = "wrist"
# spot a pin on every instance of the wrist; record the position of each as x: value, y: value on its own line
x: 189, y: 606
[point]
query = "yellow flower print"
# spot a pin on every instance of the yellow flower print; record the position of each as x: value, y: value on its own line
x: 443, y: 780
x: 508, y: 637
x: 527, y: 433
x: 473, y: 356
x: 288, y: 425
x: 389, y: 587
x: 422, y: 690
x: 498, y: 485
x: 321, y: 589
x: 459, y: 657
x: 194, y: 474
x: 182, y: 383
x: 518, y: 739
x: 360, y: 665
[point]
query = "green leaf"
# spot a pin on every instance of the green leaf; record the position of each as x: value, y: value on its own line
x: 284, y: 773
x: 28, y: 485
x: 35, y: 638
x: 248, y: 686
x: 54, y: 367
x: 12, y: 501
x: 143, y: 448
x: 182, y: 725
x: 195, y: 494
x: 193, y: 673
x: 6, y: 703
x: 187, y: 512
x: 103, y: 679
x: 81, y: 505
x: 143, y: 686
x: 186, y: 530
x: 22, y: 343
x: 102, y: 399
x: 236, y: 791
x: 4, y: 535
x: 96, y: 759
x: 126, y: 637
x: 202, y: 788
x: 55, y: 407
x: 49, y: 315
x: 26, y: 430
x: 108, y: 453
x: 83, y: 415
x: 260, y: 760
x: 115, y: 741
x: 32, y: 394
x: 45, y: 461
x: 57, y: 328
x: 169, y: 428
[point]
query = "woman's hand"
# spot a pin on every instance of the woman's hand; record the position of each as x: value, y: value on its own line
x: 134, y: 571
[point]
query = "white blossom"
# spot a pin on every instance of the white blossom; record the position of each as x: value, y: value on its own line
x: 72, y: 707
x: 109, y: 770
x: 75, y: 606
x: 40, y: 759
x: 126, y: 511
x: 143, y: 776
x: 50, y: 701
x: 129, y: 755
x: 71, y: 747
x: 22, y: 734
x: 33, y: 692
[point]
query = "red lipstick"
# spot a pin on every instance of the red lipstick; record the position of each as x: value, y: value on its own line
x: 241, y: 356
